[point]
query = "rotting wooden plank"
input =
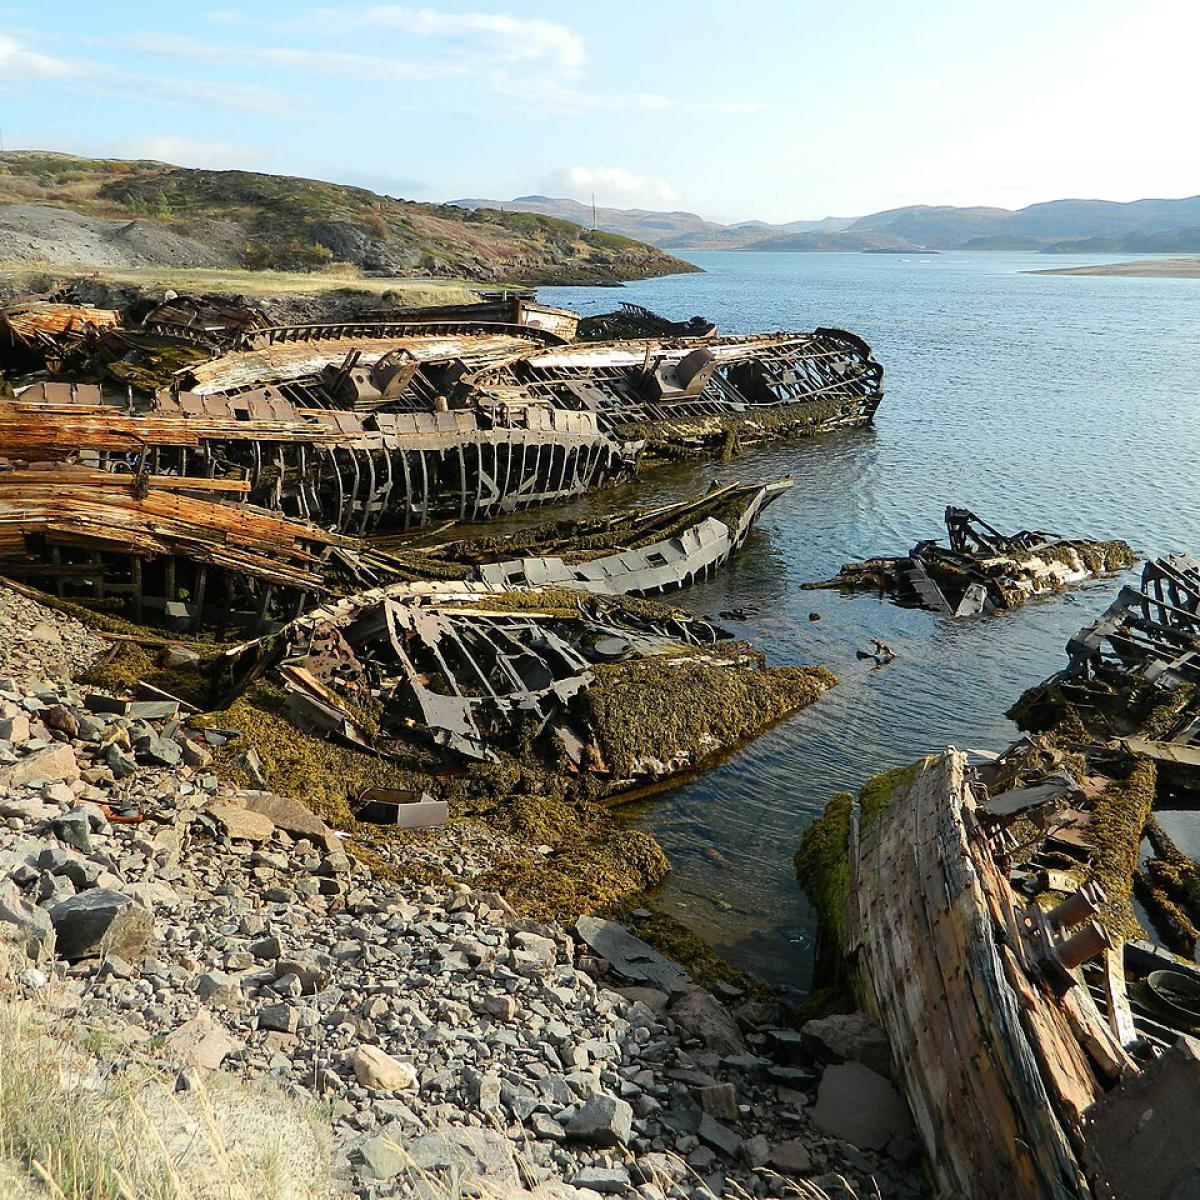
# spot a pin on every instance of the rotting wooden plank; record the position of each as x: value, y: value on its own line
x: 929, y: 953
x: 1116, y: 992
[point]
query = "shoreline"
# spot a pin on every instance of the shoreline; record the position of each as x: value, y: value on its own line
x: 1150, y: 268
x: 176, y: 935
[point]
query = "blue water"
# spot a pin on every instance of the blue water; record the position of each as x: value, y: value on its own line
x: 1068, y: 403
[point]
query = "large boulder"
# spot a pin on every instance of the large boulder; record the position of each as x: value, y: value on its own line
x: 603, y: 1120
x: 700, y: 1014
x: 375, y: 1068
x: 57, y: 762
x: 101, y: 922
x: 848, y: 1037
x: 291, y: 816
x: 240, y: 823
x: 860, y: 1106
x: 200, y: 1042
x: 480, y: 1158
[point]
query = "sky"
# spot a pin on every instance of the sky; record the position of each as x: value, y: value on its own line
x: 776, y: 110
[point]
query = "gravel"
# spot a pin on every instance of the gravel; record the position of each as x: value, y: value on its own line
x: 443, y: 1032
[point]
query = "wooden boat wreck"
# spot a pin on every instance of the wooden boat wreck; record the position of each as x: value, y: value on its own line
x: 363, y: 425
x: 982, y: 570
x: 1043, y: 1026
x: 685, y: 395
x: 584, y: 684
x: 1131, y: 688
x: 1036, y: 1053
x: 190, y: 552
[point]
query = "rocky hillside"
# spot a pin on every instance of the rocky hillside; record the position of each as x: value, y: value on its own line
x: 111, y: 213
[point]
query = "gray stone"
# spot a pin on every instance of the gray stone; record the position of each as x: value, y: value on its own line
x: 53, y: 763
x: 546, y: 1128
x: 608, y: 1181
x: 266, y: 948
x: 468, y: 1154
x: 283, y: 1018
x: 504, y: 1008
x: 860, y: 1106
x: 383, y: 1155
x: 101, y: 921
x: 219, y: 990
x: 33, y: 925
x: 719, y: 1099
x: 719, y: 1137
x: 200, y: 1042
x: 755, y: 1151
x: 74, y: 829
x: 792, y: 1157
x: 654, y: 999
x: 630, y: 956
x: 161, y: 751
x: 703, y: 1016
x: 849, y: 1037
x: 602, y: 1120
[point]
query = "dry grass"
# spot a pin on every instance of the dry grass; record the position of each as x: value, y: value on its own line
x: 76, y: 1127
x: 337, y: 276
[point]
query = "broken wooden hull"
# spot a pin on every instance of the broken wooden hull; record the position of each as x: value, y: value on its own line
x: 1014, y: 1025
x: 983, y: 570
x: 167, y: 548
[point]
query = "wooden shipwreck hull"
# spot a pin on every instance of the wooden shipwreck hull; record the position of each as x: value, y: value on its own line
x: 355, y: 428
x: 1010, y: 1020
x: 174, y: 548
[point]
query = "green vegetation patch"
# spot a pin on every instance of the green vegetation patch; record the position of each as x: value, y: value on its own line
x: 823, y: 866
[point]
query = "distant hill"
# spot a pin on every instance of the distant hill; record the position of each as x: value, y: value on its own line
x: 1057, y: 226
x: 657, y: 228
x: 69, y: 211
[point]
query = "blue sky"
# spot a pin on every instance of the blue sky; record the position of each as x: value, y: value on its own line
x: 763, y: 108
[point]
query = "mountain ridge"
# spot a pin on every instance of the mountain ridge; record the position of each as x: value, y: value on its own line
x: 1152, y: 225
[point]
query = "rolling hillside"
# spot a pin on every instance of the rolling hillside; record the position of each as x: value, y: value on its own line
x: 67, y: 211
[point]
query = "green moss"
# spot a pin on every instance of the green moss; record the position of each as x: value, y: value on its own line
x: 1119, y: 816
x: 879, y: 789
x: 681, y: 708
x: 823, y: 867
x: 1169, y: 886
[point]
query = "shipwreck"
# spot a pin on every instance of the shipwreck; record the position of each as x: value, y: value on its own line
x: 981, y: 570
x: 190, y: 455
x: 985, y: 908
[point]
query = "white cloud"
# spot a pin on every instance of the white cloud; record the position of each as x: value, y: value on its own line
x: 18, y: 62
x: 192, y: 152
x: 616, y: 186
x: 516, y: 39
x: 325, y: 62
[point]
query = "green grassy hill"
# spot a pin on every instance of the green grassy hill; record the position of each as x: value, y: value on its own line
x: 154, y: 213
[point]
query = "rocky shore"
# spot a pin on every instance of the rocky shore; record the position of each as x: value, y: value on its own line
x: 171, y: 928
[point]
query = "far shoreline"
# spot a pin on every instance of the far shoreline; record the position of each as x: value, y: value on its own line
x: 1149, y: 268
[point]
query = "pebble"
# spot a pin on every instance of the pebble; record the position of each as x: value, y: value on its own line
x: 429, y: 1018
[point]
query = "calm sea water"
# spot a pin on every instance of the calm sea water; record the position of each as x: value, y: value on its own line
x: 1069, y: 403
